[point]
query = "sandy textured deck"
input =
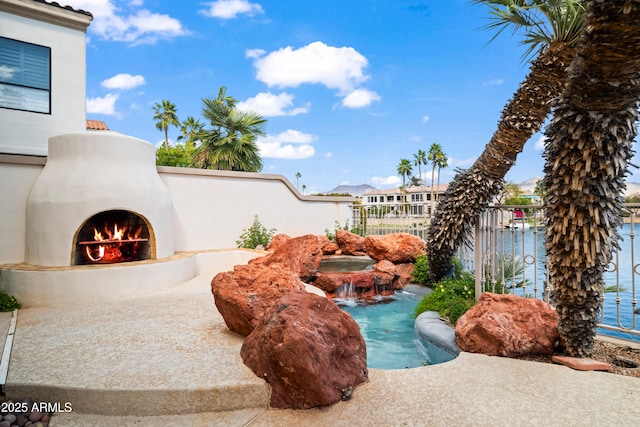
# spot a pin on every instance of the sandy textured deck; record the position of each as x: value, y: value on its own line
x: 168, y: 359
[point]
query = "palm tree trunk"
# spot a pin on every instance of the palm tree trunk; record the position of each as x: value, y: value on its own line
x: 589, y: 147
x: 473, y: 189
x: 166, y: 138
x: 438, y: 187
x: 433, y: 171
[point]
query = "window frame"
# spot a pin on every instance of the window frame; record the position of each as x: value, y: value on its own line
x: 22, y: 87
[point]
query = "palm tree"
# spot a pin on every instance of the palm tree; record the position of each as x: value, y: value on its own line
x: 190, y: 129
x: 441, y: 162
x: 165, y: 116
x: 231, y: 144
x: 404, y: 170
x: 435, y: 153
x: 420, y: 159
x: 551, y: 29
x: 540, y: 191
x: 298, y: 176
x: 589, y: 146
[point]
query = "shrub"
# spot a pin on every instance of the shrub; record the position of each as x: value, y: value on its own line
x: 255, y: 236
x: 421, y: 270
x: 450, y: 297
x: 8, y: 302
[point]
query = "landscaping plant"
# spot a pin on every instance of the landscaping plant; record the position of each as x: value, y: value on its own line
x: 8, y: 302
x: 451, y: 297
x: 256, y: 235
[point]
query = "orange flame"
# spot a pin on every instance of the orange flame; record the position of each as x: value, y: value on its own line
x: 111, y: 250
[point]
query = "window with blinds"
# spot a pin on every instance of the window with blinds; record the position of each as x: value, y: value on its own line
x: 25, y: 76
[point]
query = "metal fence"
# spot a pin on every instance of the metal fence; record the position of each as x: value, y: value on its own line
x: 400, y: 218
x: 509, y: 255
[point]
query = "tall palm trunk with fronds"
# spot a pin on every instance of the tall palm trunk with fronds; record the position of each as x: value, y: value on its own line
x: 473, y: 189
x: 588, y: 149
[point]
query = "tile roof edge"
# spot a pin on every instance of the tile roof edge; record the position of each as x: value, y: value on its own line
x: 56, y: 4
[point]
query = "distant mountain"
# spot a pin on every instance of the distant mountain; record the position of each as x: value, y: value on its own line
x: 529, y: 185
x: 632, y: 189
x: 354, y: 190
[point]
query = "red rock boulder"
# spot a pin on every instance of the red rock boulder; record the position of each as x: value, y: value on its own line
x: 350, y: 243
x: 278, y: 241
x: 309, y: 351
x: 331, y: 249
x: 404, y: 273
x: 397, y: 247
x: 243, y: 295
x: 385, y: 266
x: 508, y: 325
x: 355, y: 284
x: 302, y: 255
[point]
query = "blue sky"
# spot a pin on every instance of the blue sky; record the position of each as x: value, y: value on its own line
x: 348, y: 88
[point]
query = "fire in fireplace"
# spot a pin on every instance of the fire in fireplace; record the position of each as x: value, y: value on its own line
x: 112, y: 237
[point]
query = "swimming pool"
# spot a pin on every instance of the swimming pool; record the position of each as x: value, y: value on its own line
x: 388, y: 331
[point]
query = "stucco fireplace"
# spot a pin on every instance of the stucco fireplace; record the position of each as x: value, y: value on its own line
x: 98, y: 200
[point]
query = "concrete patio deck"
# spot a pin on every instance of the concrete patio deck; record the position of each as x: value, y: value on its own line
x: 167, y: 359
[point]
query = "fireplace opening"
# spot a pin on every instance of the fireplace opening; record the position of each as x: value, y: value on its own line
x: 113, y: 237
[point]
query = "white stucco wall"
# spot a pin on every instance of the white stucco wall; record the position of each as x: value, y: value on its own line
x: 211, y: 208
x: 17, y: 175
x: 23, y: 132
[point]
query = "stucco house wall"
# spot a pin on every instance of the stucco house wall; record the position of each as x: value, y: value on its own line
x: 63, y: 31
x: 211, y: 208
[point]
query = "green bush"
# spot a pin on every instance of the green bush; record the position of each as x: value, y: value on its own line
x: 178, y: 155
x: 450, y: 297
x: 8, y: 302
x: 255, y: 236
x: 421, y: 270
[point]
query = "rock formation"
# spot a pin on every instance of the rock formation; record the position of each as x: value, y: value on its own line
x: 302, y: 255
x: 350, y: 243
x: 242, y: 296
x: 397, y: 247
x: 309, y: 351
x: 508, y: 325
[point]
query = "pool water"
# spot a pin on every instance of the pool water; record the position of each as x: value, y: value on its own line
x: 388, y: 331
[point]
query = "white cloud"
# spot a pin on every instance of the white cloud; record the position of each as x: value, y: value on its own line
x: 339, y: 68
x: 229, y: 9
x: 254, y: 53
x: 133, y: 25
x: 360, y: 98
x: 105, y: 105
x: 390, y: 180
x: 539, y: 145
x: 493, y: 82
x: 123, y: 81
x: 268, y: 104
x: 328, y: 155
x: 290, y: 144
x: 461, y: 163
x: 425, y: 119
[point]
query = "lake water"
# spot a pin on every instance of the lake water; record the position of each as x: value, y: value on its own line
x: 628, y: 271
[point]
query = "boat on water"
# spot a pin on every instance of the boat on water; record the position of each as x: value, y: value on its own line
x: 518, y: 224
